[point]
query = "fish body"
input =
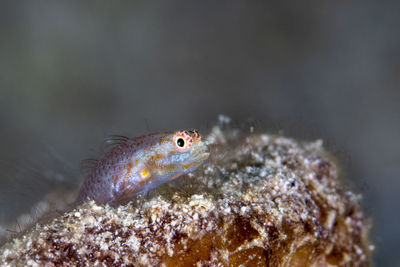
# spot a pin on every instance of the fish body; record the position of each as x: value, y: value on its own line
x: 138, y: 164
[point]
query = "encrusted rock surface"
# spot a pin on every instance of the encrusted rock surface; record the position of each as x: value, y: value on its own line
x: 261, y: 200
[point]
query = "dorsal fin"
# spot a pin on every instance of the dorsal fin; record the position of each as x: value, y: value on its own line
x: 86, y: 166
x: 114, y: 140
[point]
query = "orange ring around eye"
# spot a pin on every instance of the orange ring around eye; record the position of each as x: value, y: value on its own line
x: 182, y: 141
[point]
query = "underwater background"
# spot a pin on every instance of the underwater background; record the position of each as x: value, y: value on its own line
x: 72, y: 73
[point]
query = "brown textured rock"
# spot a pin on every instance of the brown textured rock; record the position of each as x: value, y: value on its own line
x: 261, y: 200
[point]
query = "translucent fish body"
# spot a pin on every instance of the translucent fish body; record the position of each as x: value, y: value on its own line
x: 139, y: 164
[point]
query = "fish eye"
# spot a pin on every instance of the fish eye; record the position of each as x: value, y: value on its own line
x: 180, y: 142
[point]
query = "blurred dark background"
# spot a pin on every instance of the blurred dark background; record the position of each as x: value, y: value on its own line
x: 72, y: 73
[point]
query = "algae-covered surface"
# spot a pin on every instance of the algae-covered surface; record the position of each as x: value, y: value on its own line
x: 260, y: 200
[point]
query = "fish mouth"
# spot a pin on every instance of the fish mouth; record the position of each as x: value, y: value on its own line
x: 202, y: 153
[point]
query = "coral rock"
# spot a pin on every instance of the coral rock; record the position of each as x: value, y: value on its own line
x: 261, y: 200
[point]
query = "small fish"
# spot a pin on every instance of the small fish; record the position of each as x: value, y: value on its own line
x: 138, y: 164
